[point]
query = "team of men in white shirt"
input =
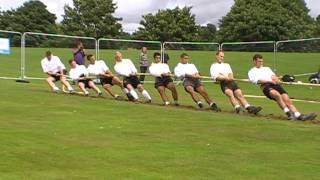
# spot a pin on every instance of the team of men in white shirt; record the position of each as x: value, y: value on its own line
x: 187, y: 72
x: 222, y: 72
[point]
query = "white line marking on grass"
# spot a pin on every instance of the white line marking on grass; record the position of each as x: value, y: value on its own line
x: 297, y: 100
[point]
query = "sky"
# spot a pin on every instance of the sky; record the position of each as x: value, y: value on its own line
x: 206, y: 11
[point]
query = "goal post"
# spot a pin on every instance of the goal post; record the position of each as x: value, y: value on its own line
x: 10, y: 55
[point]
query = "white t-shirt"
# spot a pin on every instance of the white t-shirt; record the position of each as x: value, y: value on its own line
x: 181, y: 70
x: 99, y: 67
x: 156, y: 69
x: 220, y: 68
x: 125, y: 67
x: 263, y: 73
x: 76, y: 72
x: 54, y: 65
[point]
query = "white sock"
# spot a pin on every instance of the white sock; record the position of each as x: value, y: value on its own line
x: 237, y: 106
x: 70, y: 88
x: 134, y: 94
x: 286, y: 109
x: 247, y: 105
x: 167, y: 103
x: 146, y: 94
x: 297, y: 114
x: 55, y: 88
x: 86, y: 92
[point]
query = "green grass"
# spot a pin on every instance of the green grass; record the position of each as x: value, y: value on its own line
x: 59, y: 136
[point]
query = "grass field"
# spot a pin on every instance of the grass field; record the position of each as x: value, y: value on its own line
x: 60, y: 136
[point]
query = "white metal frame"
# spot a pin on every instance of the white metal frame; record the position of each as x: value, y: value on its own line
x: 21, y: 69
x: 125, y: 40
x: 187, y: 43
x: 256, y: 42
x: 294, y: 40
x: 23, y: 46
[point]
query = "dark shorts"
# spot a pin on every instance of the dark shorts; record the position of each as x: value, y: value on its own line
x: 106, y: 80
x: 85, y: 82
x: 268, y: 87
x: 57, y: 78
x: 232, y: 85
x: 162, y: 81
x: 133, y: 80
x: 195, y: 83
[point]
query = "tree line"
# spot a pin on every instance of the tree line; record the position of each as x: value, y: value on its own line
x: 248, y: 20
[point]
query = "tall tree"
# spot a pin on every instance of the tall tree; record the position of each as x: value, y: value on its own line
x: 168, y: 25
x: 207, y: 33
x: 31, y: 16
x: 257, y: 20
x: 317, y: 29
x: 5, y: 23
x: 92, y: 18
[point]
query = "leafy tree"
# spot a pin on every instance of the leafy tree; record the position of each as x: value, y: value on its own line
x: 168, y: 25
x: 317, y: 28
x: 31, y: 16
x: 207, y: 33
x: 92, y: 18
x: 5, y: 20
x: 266, y: 20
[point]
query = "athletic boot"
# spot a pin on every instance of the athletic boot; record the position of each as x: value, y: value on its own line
x: 70, y: 90
x: 312, y: 116
x: 253, y: 109
x: 200, y: 105
x: 237, y: 110
x: 148, y: 101
x: 118, y: 97
x: 99, y: 94
x: 304, y: 117
x: 290, y: 115
x: 130, y: 97
x: 56, y: 89
x: 214, y: 107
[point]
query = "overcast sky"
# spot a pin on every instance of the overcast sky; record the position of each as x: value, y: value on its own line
x: 206, y: 11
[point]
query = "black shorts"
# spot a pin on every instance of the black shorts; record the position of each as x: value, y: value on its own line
x: 57, y: 78
x: 162, y: 81
x: 268, y: 87
x: 133, y: 80
x: 232, y: 85
x: 195, y: 83
x: 85, y: 82
x: 106, y: 80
